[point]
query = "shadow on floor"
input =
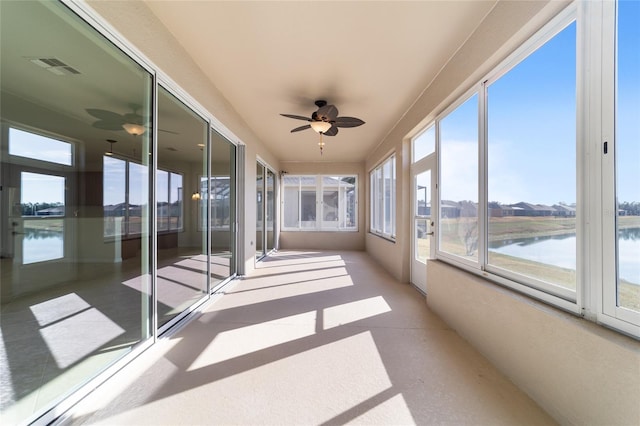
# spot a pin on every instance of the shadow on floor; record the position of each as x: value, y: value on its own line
x: 320, y: 338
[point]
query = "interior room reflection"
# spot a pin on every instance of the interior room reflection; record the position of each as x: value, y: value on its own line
x: 75, y: 163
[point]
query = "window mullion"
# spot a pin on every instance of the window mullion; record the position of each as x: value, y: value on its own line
x: 483, y: 215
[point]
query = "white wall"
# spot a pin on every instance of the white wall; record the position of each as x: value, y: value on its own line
x: 579, y: 372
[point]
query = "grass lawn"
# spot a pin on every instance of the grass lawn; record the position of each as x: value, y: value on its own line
x: 456, y: 235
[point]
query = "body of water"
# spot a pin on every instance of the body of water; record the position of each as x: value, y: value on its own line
x: 560, y: 250
x: 42, y: 245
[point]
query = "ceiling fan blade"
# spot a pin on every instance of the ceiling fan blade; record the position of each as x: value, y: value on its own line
x: 105, y: 115
x: 134, y: 118
x: 297, y: 129
x: 107, y: 125
x: 331, y: 132
x: 297, y: 117
x: 329, y: 112
x: 348, y: 122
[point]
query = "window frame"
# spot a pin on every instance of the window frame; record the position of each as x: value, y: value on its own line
x: 606, y: 301
x: 35, y: 162
x: 319, y: 189
x: 127, y: 235
x: 530, y: 287
x: 556, y: 25
x: 377, y: 218
x: 451, y: 257
x: 595, y: 297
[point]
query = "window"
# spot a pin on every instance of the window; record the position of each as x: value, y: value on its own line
x: 458, y: 227
x: 383, y: 199
x: 114, y: 201
x: 320, y: 203
x: 220, y: 201
x: 531, y: 212
x: 126, y: 195
x: 36, y: 147
x: 621, y: 169
x: 42, y: 199
x: 539, y: 168
x: 424, y: 144
x: 627, y: 156
x: 169, y: 200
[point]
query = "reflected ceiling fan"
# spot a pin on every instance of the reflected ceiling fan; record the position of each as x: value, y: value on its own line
x: 132, y: 122
x: 325, y: 121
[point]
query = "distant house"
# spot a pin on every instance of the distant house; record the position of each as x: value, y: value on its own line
x: 449, y: 209
x: 563, y: 210
x: 52, y: 211
x: 115, y: 210
x: 527, y: 209
x: 495, y: 209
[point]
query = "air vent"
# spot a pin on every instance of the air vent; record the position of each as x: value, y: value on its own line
x: 54, y: 66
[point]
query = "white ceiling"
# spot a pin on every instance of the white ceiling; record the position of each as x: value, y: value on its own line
x: 370, y: 59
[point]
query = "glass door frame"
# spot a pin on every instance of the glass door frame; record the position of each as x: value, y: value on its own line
x: 428, y: 163
x: 266, y: 169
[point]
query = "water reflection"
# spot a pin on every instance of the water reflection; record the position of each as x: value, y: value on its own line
x: 560, y: 250
x: 40, y: 245
x: 523, y: 242
x: 632, y: 234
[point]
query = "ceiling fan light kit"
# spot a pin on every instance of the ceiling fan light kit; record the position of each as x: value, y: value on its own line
x: 133, y: 123
x: 133, y: 129
x: 325, y: 121
x: 110, y: 152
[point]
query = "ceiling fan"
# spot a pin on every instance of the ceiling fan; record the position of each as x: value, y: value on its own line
x: 325, y: 121
x: 132, y: 122
x: 327, y: 114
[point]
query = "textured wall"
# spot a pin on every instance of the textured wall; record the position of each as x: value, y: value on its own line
x: 579, y: 372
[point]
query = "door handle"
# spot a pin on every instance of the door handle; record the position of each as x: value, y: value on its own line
x: 430, y: 233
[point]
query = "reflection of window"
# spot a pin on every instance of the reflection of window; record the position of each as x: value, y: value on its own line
x: 383, y: 198
x: 220, y: 202
x: 424, y: 144
x: 126, y: 195
x: 169, y: 200
x: 42, y: 200
x: 325, y: 203
x: 459, y: 181
x: 36, y: 147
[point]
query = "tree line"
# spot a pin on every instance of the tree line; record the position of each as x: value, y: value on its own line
x: 631, y: 208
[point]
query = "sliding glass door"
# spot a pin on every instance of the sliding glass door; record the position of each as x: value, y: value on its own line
x: 75, y: 229
x: 113, y: 226
x: 265, y: 210
x: 181, y: 238
x: 223, y: 209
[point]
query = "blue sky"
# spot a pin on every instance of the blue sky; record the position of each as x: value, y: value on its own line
x: 531, y: 126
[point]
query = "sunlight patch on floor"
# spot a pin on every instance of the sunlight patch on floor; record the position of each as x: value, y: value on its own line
x: 248, y: 339
x: 354, y: 311
x: 57, y: 309
x: 75, y: 337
